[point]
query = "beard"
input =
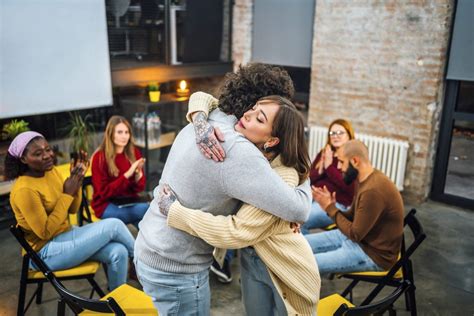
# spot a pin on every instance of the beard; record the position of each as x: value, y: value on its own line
x: 351, y: 174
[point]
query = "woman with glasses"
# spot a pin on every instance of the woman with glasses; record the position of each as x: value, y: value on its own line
x: 324, y: 172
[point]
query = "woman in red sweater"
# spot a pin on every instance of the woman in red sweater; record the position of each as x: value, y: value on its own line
x: 117, y: 173
x: 324, y: 172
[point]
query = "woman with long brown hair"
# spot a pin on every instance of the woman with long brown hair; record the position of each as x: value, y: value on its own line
x: 278, y: 275
x: 324, y: 172
x: 117, y: 174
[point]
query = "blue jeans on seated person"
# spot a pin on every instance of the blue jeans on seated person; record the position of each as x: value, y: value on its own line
x: 318, y: 218
x: 131, y: 214
x: 335, y: 253
x: 176, y: 293
x: 260, y: 297
x: 108, y: 241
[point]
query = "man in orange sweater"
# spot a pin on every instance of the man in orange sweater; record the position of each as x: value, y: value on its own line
x: 369, y: 235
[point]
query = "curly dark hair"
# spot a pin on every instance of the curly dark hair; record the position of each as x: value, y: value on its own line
x: 14, y: 167
x: 241, y: 90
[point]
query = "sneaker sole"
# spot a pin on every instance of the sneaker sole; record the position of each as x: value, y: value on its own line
x: 222, y: 277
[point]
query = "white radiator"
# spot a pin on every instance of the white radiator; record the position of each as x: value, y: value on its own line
x: 386, y: 154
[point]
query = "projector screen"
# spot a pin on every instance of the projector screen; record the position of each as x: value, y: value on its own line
x: 54, y: 56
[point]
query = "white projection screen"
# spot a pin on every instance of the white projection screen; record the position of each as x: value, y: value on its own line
x: 54, y: 56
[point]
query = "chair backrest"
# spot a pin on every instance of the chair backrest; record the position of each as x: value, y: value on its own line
x: 85, y: 211
x: 375, y: 308
x: 75, y: 302
x: 404, y: 261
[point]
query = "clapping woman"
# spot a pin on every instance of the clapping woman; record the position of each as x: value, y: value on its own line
x: 42, y: 201
x: 324, y: 172
x: 117, y: 175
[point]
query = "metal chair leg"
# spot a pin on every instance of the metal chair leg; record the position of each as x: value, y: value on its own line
x: 95, y: 287
x: 39, y: 293
x: 23, y: 284
x: 61, y: 307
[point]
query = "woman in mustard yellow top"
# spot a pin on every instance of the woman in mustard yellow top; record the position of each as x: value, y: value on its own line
x: 42, y: 201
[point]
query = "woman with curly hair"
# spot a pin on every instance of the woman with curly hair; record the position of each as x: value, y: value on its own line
x: 42, y: 200
x: 172, y: 265
x: 117, y: 174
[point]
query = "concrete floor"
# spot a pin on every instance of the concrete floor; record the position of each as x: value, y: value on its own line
x: 444, y: 271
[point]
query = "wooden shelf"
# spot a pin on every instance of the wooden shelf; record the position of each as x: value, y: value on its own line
x: 166, y: 139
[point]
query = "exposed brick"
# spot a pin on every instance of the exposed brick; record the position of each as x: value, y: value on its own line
x: 380, y: 64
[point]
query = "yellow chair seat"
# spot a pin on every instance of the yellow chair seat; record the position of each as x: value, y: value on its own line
x: 329, y: 305
x: 88, y: 267
x: 131, y: 300
x: 398, y: 274
x: 330, y: 227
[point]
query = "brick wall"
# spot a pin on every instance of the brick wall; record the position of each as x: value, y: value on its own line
x: 242, y: 32
x: 380, y: 64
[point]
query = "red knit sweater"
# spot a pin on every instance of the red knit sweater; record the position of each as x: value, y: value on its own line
x: 107, y: 186
x: 332, y: 178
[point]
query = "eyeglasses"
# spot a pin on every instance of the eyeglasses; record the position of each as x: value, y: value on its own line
x: 336, y: 133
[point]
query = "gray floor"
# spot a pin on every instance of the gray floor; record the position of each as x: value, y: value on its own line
x: 444, y: 271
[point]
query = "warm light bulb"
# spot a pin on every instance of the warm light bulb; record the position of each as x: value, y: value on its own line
x: 182, y: 85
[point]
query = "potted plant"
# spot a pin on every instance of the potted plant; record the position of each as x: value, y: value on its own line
x: 15, y: 127
x: 80, y: 131
x: 154, y: 91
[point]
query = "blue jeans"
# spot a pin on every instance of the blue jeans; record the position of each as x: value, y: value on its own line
x: 229, y: 255
x: 108, y: 241
x: 260, y: 297
x: 335, y: 253
x: 318, y: 218
x: 176, y: 293
x: 131, y: 214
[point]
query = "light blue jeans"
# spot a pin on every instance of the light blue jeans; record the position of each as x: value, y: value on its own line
x: 335, y: 253
x: 176, y: 293
x: 260, y: 297
x: 318, y: 218
x: 108, y: 241
x: 131, y: 214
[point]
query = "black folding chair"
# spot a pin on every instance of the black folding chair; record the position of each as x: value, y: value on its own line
x: 391, y: 277
x: 337, y: 305
x: 85, y: 271
x: 132, y: 301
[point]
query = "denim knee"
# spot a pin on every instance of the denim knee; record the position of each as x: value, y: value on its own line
x: 118, y: 254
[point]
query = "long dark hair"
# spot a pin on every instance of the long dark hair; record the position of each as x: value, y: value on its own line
x: 13, y: 165
x: 242, y: 89
x: 288, y: 126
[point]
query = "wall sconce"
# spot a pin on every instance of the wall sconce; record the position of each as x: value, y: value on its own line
x: 182, y: 91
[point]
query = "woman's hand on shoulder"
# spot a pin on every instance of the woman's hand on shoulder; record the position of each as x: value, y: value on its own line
x: 208, y: 138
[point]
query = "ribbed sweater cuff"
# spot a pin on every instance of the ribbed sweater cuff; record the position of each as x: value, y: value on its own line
x: 177, y: 216
x: 200, y: 101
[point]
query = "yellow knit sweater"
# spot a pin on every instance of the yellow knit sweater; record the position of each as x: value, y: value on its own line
x: 286, y: 254
x: 41, y: 208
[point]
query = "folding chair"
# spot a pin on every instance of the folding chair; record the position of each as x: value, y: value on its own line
x: 125, y: 300
x: 401, y: 271
x: 86, y: 271
x: 338, y: 305
x: 86, y: 213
